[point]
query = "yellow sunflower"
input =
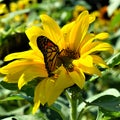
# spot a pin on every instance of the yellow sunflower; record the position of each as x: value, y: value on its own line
x: 76, y: 51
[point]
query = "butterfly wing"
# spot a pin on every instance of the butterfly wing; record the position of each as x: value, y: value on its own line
x: 50, y: 52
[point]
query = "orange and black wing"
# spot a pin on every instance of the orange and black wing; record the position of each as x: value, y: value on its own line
x: 50, y: 52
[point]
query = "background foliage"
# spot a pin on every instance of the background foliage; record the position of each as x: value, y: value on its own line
x: 102, y: 94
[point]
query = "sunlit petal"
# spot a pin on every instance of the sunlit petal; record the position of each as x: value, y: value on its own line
x: 66, y: 32
x: 99, y: 61
x: 78, y: 77
x: 26, y: 70
x: 13, y: 66
x: 86, y: 65
x: 33, y: 32
x: 90, y: 70
x: 39, y: 95
x: 79, y: 30
x: 49, y: 89
x: 30, y: 54
x: 62, y: 82
x: 87, y: 61
x: 31, y: 72
x: 87, y: 39
x: 42, y: 92
x: 95, y: 47
x: 102, y: 36
x: 53, y: 30
x: 67, y: 28
x: 36, y: 106
x: 13, y: 77
x: 91, y: 18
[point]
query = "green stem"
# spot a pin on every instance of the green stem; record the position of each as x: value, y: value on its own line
x: 74, y: 95
x: 73, y: 108
x: 73, y: 105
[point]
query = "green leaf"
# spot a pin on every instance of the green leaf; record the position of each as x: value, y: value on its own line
x: 115, y: 21
x: 25, y: 117
x: 109, y: 115
x: 114, y: 60
x: 108, y: 102
x: 16, y: 111
x: 12, y: 98
x: 9, y: 86
x: 61, y: 108
x: 111, y: 91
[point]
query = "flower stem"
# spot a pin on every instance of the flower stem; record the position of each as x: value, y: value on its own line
x: 73, y: 107
x: 75, y: 97
x: 73, y: 101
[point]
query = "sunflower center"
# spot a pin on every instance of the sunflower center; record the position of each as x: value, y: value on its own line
x: 67, y: 56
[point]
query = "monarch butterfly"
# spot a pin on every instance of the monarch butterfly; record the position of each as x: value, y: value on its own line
x: 53, y: 57
x: 50, y: 52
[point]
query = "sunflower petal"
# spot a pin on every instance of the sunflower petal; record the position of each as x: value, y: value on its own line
x: 26, y: 70
x: 31, y: 72
x: 36, y: 106
x: 39, y: 95
x: 78, y: 77
x: 91, y: 18
x: 86, y: 65
x: 95, y: 47
x: 66, y: 31
x: 87, y: 61
x: 90, y: 70
x: 99, y: 61
x: 33, y: 32
x: 13, y: 71
x: 49, y: 89
x: 23, y: 55
x: 102, y: 36
x: 13, y: 67
x: 63, y: 81
x: 13, y: 77
x: 52, y: 29
x: 42, y: 92
x: 79, y: 30
x: 88, y: 39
